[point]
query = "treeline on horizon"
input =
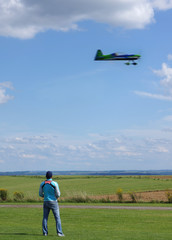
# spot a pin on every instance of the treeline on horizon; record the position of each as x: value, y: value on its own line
x: 112, y: 172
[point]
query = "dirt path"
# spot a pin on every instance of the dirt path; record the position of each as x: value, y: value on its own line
x: 88, y: 207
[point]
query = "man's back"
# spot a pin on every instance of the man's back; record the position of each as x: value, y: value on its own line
x: 49, y: 190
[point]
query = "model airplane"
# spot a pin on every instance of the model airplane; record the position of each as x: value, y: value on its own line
x: 115, y: 56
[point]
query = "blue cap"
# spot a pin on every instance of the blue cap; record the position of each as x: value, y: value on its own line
x: 49, y: 175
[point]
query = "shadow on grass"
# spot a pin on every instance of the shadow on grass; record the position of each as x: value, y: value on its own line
x: 19, y: 234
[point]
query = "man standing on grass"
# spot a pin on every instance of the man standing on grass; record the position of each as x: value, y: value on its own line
x: 50, y: 191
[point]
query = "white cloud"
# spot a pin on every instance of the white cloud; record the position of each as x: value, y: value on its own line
x: 125, y: 151
x: 162, y: 4
x: 145, y: 147
x: 159, y: 149
x: 28, y: 156
x: 166, y: 73
x: 169, y: 56
x: 165, y: 84
x: 33, y: 156
x: 4, y: 97
x: 6, y: 85
x: 25, y: 18
x: 168, y: 118
x: 155, y: 96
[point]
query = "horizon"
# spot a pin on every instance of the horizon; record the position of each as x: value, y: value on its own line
x: 98, y: 173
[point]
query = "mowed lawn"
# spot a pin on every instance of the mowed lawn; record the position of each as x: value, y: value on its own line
x: 84, y: 224
x: 91, y: 185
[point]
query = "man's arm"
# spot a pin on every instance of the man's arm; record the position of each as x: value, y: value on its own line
x: 57, y: 190
x: 41, y: 193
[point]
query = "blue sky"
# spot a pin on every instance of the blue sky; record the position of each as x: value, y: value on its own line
x: 61, y: 110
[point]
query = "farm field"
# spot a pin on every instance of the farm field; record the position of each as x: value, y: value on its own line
x: 82, y: 224
x: 93, y: 186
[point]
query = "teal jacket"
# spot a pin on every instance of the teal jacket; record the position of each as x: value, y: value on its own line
x: 49, y: 190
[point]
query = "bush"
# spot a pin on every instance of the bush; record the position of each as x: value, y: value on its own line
x: 169, y: 196
x: 77, y: 198
x: 3, y: 194
x: 18, y: 196
x: 119, y: 193
x: 133, y: 197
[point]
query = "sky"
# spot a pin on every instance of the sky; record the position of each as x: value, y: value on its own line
x: 61, y: 110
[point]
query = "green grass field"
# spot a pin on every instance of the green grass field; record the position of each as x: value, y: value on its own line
x: 84, y: 224
x: 91, y: 185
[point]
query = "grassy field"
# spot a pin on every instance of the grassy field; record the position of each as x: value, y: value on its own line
x: 82, y: 224
x: 91, y: 185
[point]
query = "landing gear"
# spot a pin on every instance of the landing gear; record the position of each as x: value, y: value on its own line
x: 129, y: 63
x: 134, y: 63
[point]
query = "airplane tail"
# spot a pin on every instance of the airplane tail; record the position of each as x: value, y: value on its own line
x: 99, y: 55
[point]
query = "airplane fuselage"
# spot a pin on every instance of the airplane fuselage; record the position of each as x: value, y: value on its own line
x: 115, y: 56
x: 118, y: 57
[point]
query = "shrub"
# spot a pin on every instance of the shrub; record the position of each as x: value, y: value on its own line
x: 3, y: 194
x: 18, y: 196
x: 78, y: 198
x: 119, y: 193
x: 169, y: 196
x: 133, y: 197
